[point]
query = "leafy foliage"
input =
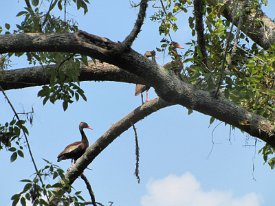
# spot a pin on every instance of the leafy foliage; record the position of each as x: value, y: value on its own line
x: 62, y: 86
x: 37, y: 194
x: 10, y: 137
x: 247, y: 77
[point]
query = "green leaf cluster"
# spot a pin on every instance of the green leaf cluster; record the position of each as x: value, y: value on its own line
x: 36, y: 193
x: 11, y: 139
x: 64, y: 84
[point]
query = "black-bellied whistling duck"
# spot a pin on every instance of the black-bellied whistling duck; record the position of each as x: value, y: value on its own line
x: 75, y: 150
x: 140, y: 88
x: 176, y: 64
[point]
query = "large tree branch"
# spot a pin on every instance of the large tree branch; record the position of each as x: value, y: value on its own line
x: 37, y: 76
x: 167, y: 85
x: 108, y: 137
x: 259, y: 27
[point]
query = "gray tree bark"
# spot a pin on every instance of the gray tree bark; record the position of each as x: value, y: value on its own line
x: 168, y: 86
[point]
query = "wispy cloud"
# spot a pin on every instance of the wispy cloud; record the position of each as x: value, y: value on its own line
x: 186, y: 190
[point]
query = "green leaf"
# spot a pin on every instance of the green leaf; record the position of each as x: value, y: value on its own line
x: 23, y: 201
x: 59, y: 5
x: 27, y: 187
x: 12, y: 149
x: 212, y: 119
x: 65, y: 105
x: 21, y: 13
x: 43, y: 202
x: 20, y: 153
x: 16, y: 196
x: 15, y: 199
x: 190, y: 111
x: 28, y: 197
x: 45, y: 100
x: 25, y: 130
x: 35, y: 2
x: 57, y: 185
x: 7, y: 26
x: 76, y: 96
x: 13, y: 157
x: 25, y: 180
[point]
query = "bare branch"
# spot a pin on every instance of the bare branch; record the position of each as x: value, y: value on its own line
x: 109, y: 136
x: 89, y: 188
x: 47, y: 15
x: 128, y: 41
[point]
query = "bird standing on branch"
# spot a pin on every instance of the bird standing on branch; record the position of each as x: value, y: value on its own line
x: 140, y: 88
x: 176, y: 65
x: 75, y: 150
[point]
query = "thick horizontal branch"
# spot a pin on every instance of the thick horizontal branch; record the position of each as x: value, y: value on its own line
x: 167, y: 85
x: 259, y: 27
x: 109, y: 136
x: 37, y: 76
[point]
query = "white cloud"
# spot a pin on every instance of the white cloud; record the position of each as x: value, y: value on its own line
x: 185, y: 190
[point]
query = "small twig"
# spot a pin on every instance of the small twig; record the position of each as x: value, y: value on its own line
x: 253, y: 159
x: 223, y: 61
x: 64, y: 60
x: 26, y: 139
x: 137, y: 154
x: 52, y: 5
x: 36, y: 19
x: 89, y: 187
x: 212, y: 140
x: 128, y: 41
x: 234, y: 49
x: 65, y: 10
x: 165, y: 12
x: 225, y: 53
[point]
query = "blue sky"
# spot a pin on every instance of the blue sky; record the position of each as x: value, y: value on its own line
x: 174, y: 147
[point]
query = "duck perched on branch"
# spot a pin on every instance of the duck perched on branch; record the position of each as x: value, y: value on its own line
x: 140, y: 88
x: 176, y: 65
x: 75, y: 150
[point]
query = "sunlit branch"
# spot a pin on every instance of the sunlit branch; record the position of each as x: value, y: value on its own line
x: 40, y: 75
x: 128, y: 41
x: 109, y: 136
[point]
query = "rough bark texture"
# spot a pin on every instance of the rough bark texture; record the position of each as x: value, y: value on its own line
x: 129, y: 66
x: 167, y: 85
x: 259, y: 27
x: 107, y: 138
x: 37, y: 76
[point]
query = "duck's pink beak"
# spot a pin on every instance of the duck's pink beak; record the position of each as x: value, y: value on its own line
x: 89, y: 127
x: 179, y: 46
